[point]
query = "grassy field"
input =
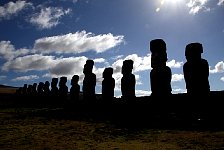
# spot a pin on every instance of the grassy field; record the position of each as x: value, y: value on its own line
x: 40, y: 128
x: 45, y: 128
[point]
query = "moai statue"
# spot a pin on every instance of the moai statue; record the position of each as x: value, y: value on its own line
x: 63, y: 89
x: 34, y: 89
x: 108, y: 84
x: 54, y: 87
x: 196, y: 70
x: 40, y: 89
x: 47, y: 88
x: 29, y: 90
x: 75, y: 88
x: 89, y: 82
x: 24, y: 91
x: 160, y: 75
x: 128, y: 80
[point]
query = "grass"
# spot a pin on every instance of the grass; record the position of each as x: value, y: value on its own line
x: 31, y: 128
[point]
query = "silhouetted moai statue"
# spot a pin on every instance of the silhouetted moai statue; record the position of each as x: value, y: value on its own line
x: 34, y: 89
x: 196, y: 70
x: 160, y: 75
x: 75, y: 88
x: 40, y: 89
x: 89, y: 82
x: 47, y: 88
x: 54, y: 88
x: 108, y: 85
x: 128, y: 81
x: 63, y: 89
x: 29, y: 90
x: 24, y: 91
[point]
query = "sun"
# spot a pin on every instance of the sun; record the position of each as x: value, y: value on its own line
x: 172, y: 4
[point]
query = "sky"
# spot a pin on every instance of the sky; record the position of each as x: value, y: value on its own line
x: 53, y: 38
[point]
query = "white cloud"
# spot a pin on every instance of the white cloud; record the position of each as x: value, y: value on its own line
x: 174, y: 64
x: 48, y: 17
x: 55, y: 66
x: 99, y: 60
x: 139, y: 93
x: 26, y: 78
x: 222, y: 79
x: 29, y: 62
x: 221, y: 2
x: 177, y: 77
x: 140, y: 63
x: 8, y: 51
x: 3, y: 77
x: 78, y: 42
x: 178, y: 90
x: 197, y: 5
x: 219, y: 68
x: 13, y: 8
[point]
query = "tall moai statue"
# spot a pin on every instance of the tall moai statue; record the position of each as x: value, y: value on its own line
x: 160, y: 75
x: 63, y: 89
x: 89, y: 81
x: 128, y: 80
x: 196, y: 70
x: 54, y: 87
x: 75, y: 88
x: 108, y: 84
x: 34, y: 89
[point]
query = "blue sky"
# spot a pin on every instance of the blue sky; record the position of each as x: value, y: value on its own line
x: 44, y: 39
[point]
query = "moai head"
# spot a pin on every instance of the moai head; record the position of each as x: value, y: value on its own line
x: 193, y: 51
x: 47, y: 84
x: 40, y: 87
x: 54, y: 82
x: 127, y: 66
x: 63, y: 81
x: 34, y: 86
x: 108, y: 72
x: 88, y: 67
x: 75, y: 80
x: 159, y: 55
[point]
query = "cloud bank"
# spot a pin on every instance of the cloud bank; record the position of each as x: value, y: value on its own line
x: 77, y: 42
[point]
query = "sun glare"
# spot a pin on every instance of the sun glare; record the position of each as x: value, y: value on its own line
x: 173, y: 4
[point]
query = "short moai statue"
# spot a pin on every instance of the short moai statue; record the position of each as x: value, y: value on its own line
x: 196, y: 70
x: 47, y: 88
x: 108, y: 85
x: 89, y: 82
x: 24, y: 91
x: 128, y: 80
x: 160, y: 75
x: 63, y: 89
x: 75, y: 88
x: 40, y: 89
x: 54, y: 88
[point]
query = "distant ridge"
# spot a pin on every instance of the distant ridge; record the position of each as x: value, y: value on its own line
x: 6, y: 86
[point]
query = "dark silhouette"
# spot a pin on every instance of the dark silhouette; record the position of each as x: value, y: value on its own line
x: 24, y: 91
x: 108, y: 84
x: 47, y: 88
x: 29, y: 90
x: 40, y: 89
x: 89, y: 81
x: 34, y: 89
x: 54, y: 88
x: 196, y: 70
x: 63, y: 89
x: 160, y: 75
x: 128, y: 80
x: 75, y: 88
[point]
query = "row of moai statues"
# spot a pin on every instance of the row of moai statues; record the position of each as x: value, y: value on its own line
x: 196, y: 72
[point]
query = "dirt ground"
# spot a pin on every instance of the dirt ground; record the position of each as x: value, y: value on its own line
x: 32, y: 128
